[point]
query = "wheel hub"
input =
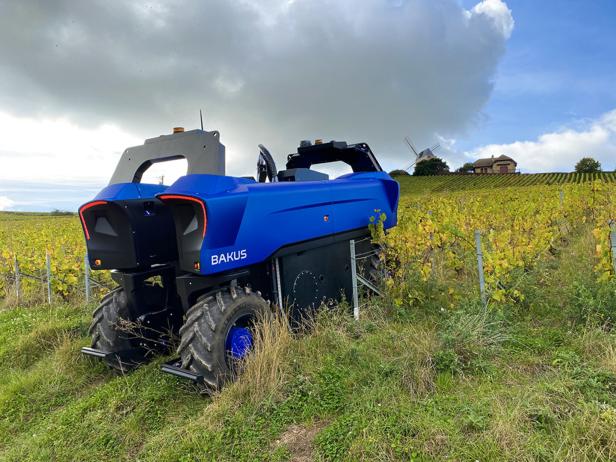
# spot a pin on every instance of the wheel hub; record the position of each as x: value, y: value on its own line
x: 239, y: 342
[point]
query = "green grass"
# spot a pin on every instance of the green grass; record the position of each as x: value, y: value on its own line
x: 448, y: 183
x: 535, y: 381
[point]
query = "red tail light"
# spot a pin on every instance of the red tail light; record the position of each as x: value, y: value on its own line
x: 85, y: 207
x: 179, y: 197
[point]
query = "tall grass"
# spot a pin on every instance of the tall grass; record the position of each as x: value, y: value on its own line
x: 265, y: 371
x: 429, y: 379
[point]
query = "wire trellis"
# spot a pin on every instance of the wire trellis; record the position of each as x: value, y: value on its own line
x: 45, y: 277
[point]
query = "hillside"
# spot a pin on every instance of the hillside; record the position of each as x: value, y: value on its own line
x: 427, y: 374
x: 450, y: 183
x: 532, y: 382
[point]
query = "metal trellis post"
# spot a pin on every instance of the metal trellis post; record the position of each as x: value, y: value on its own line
x: 431, y: 237
x: 17, y: 280
x: 612, y: 224
x: 482, y: 283
x: 354, y: 279
x: 48, y: 269
x: 86, y: 267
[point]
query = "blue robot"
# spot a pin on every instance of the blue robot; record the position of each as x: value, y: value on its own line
x: 202, y: 260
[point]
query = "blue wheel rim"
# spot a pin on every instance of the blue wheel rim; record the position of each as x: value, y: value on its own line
x: 239, y: 342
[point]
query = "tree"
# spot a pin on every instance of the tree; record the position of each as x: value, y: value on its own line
x: 468, y: 167
x: 399, y: 173
x: 588, y: 165
x: 434, y: 166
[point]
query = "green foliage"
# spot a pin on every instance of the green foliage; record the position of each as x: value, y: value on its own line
x: 399, y: 173
x: 376, y: 225
x: 594, y: 303
x: 468, y: 167
x: 434, y: 166
x: 334, y: 442
x: 588, y: 165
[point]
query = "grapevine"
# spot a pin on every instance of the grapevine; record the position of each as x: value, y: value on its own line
x: 519, y: 226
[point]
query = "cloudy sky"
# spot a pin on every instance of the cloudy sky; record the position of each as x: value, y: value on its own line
x: 82, y: 80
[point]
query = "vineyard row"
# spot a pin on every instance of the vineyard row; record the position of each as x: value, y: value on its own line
x: 434, y: 239
x: 464, y: 182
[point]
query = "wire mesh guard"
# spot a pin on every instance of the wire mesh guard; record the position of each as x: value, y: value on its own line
x: 358, y: 278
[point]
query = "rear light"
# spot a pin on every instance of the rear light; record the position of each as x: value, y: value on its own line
x: 178, y: 197
x: 85, y: 207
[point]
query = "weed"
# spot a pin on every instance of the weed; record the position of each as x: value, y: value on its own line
x: 468, y: 335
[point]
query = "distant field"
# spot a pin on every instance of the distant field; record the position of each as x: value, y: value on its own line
x: 445, y: 183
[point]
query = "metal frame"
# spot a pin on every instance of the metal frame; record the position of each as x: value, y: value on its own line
x: 358, y: 156
x: 202, y: 150
x: 278, y: 285
x: 359, y: 278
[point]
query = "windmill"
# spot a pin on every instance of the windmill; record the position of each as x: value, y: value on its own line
x: 422, y: 156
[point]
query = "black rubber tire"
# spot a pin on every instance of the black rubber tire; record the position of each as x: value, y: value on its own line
x: 202, y: 347
x: 105, y: 331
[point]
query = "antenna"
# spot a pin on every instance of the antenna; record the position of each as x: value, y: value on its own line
x: 410, y: 145
x: 201, y: 117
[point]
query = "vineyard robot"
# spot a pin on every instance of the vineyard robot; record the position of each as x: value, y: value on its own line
x: 201, y: 260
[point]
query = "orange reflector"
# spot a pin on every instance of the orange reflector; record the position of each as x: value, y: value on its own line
x: 325, y: 217
x: 97, y: 262
x: 178, y: 129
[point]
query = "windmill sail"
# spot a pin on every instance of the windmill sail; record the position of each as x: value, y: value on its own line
x: 424, y: 155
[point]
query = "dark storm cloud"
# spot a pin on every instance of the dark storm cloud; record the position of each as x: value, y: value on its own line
x: 272, y: 72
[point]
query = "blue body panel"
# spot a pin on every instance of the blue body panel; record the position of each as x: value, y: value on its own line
x: 127, y: 191
x: 247, y: 222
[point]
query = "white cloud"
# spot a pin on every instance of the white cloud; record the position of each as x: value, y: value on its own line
x: 560, y: 150
x: 56, y: 150
x: 498, y: 12
x: 271, y: 72
x: 5, y: 203
x: 100, y: 77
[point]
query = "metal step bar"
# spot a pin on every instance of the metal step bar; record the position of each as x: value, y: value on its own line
x: 173, y: 367
x: 123, y: 360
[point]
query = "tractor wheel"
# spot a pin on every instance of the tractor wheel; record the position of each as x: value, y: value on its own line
x: 105, y: 329
x: 218, y: 333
